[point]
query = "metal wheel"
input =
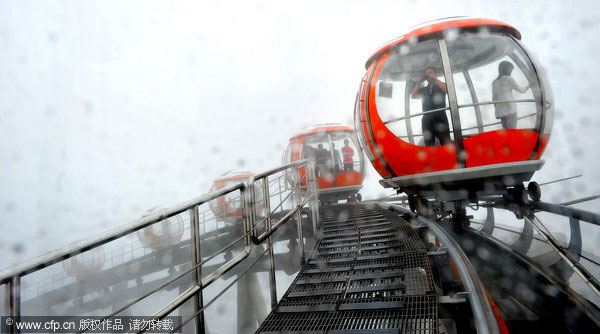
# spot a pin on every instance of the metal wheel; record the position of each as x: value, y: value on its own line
x: 535, y: 193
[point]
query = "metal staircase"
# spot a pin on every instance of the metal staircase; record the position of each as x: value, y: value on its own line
x: 369, y: 274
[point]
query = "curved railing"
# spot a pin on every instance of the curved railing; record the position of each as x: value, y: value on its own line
x: 204, y: 230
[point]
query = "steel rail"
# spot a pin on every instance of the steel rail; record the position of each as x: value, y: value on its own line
x: 483, y: 314
x: 583, y: 256
x: 566, y: 211
x: 583, y: 273
x: 580, y: 200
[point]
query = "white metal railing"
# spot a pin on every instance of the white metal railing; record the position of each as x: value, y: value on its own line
x: 299, y: 182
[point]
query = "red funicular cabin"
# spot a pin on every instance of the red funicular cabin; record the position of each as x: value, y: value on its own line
x: 340, y: 165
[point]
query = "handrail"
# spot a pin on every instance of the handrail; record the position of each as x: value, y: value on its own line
x: 307, y: 184
x: 248, y: 201
x: 483, y: 314
x: 280, y: 169
x: 257, y: 240
x: 64, y: 253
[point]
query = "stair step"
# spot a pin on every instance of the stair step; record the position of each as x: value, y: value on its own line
x: 307, y: 308
x: 376, y: 288
x: 315, y: 293
x: 362, y: 331
x: 321, y: 280
x: 327, y: 270
x: 371, y: 306
x: 363, y: 277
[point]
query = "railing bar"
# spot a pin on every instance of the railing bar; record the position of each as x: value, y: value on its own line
x: 14, y: 300
x: 495, y: 102
x: 165, y: 214
x: 475, y: 127
x: 296, y: 185
x: 197, y: 258
x: 459, y: 106
x: 583, y: 273
x: 566, y: 211
x: 283, y: 220
x: 177, y: 302
x: 415, y: 115
x: 299, y: 215
x: 279, y: 169
x: 272, y: 281
x: 210, y: 257
x: 82, y: 246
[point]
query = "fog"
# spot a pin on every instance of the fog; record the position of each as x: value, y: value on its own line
x: 110, y: 108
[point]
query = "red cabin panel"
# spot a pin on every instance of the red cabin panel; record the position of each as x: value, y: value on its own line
x: 499, y: 146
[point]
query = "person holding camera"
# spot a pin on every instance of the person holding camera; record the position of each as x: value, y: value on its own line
x: 502, y: 88
x: 433, y: 96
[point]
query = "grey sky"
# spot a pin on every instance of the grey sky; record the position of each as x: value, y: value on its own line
x: 108, y: 108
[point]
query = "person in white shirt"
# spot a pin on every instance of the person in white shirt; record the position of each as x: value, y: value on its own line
x: 502, y: 88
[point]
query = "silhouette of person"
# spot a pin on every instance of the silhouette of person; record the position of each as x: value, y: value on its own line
x: 502, y: 88
x: 336, y: 158
x: 433, y: 96
x: 322, y: 156
x: 348, y: 153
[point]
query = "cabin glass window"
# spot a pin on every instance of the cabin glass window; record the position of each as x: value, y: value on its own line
x: 496, y: 85
x: 405, y: 113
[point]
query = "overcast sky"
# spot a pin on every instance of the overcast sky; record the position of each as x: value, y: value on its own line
x: 108, y: 108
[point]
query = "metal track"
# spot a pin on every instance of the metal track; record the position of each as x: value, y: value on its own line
x: 369, y: 274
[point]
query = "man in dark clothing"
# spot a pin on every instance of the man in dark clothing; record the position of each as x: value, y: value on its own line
x: 322, y: 157
x: 433, y: 96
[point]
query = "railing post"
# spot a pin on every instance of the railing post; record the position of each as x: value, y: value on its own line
x: 249, y: 211
x: 14, y: 301
x: 197, y: 259
x: 314, y: 193
x: 280, y: 191
x: 6, y: 300
x: 267, y: 205
x: 299, y: 213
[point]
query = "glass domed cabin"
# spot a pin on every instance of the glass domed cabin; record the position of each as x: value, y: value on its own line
x: 229, y: 206
x: 457, y: 104
x: 164, y: 233
x: 340, y: 165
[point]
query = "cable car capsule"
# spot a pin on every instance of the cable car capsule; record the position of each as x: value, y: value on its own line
x: 340, y: 166
x: 164, y: 233
x: 229, y: 207
x: 456, y: 104
x: 86, y: 263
